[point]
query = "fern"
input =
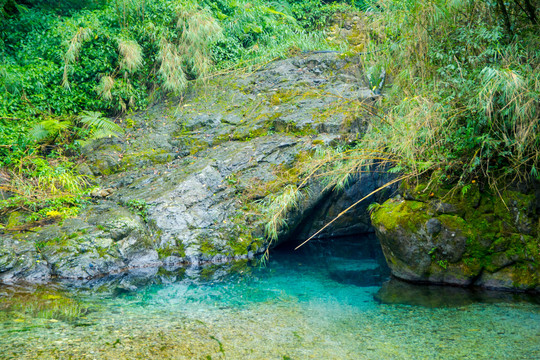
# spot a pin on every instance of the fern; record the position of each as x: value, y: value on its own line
x: 96, y: 121
x: 38, y: 132
x: 48, y: 128
x: 98, y: 126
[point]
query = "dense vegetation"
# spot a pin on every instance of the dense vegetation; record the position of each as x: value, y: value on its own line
x: 460, y: 100
x: 464, y: 102
x: 66, y: 65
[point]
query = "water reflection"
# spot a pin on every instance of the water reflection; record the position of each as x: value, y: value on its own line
x: 396, y: 291
x: 318, y: 302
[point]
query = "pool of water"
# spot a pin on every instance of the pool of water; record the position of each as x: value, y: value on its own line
x: 331, y: 300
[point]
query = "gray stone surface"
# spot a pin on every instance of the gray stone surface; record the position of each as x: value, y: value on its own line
x: 480, y: 243
x: 185, y: 167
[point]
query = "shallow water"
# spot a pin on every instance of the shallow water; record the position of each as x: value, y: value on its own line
x: 327, y: 301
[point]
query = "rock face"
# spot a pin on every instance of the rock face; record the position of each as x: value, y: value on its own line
x: 182, y: 185
x: 105, y: 238
x: 475, y: 238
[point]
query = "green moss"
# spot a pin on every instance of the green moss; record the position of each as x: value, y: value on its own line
x: 282, y: 96
x: 15, y: 219
x: 207, y: 248
x: 453, y: 222
x: 526, y: 275
x: 102, y: 252
x: 172, y: 250
x: 59, y: 243
x: 491, y: 223
x: 151, y: 155
x: 409, y: 215
x: 239, y: 245
x: 246, y: 134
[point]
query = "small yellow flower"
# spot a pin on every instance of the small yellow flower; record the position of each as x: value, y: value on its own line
x: 53, y: 213
x: 474, y: 181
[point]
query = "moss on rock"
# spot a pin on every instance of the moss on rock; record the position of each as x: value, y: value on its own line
x: 502, y: 244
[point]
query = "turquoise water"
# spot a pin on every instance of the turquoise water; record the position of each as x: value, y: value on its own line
x: 331, y: 300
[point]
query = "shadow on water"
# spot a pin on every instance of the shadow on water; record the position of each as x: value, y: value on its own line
x: 352, y: 260
x: 395, y: 291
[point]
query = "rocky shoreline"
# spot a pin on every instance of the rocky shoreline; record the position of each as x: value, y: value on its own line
x: 180, y: 187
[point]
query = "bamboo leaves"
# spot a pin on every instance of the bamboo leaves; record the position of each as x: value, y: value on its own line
x: 131, y: 56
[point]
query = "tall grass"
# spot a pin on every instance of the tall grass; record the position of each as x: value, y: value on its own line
x: 465, y: 95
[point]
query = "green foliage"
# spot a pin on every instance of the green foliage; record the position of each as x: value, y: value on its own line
x: 465, y: 93
x: 63, y: 58
x: 91, y: 125
x: 43, y: 187
x: 463, y: 103
x: 115, y: 54
x: 315, y: 14
x: 66, y: 65
x: 373, y: 207
x: 139, y: 207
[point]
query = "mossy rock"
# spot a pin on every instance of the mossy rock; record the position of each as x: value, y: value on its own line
x: 491, y: 241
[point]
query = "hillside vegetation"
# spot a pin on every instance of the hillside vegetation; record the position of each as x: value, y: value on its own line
x: 68, y: 67
x: 463, y: 100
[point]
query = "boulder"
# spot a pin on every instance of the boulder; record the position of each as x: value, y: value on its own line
x: 493, y: 243
x: 104, y: 238
x: 184, y: 183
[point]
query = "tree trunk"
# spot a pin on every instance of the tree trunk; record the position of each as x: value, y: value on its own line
x: 506, y: 18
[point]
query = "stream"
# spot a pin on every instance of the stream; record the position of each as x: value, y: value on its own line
x: 331, y: 299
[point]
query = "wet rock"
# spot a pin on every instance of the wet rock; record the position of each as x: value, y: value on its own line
x: 105, y: 238
x: 188, y: 170
x: 20, y: 260
x: 101, y: 193
x: 479, y: 243
x: 444, y: 208
x: 433, y: 226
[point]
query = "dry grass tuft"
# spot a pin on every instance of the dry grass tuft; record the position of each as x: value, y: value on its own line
x: 131, y: 55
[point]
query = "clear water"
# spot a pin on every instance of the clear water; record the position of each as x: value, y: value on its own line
x: 331, y: 300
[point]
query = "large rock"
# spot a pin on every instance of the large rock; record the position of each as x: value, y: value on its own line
x: 438, y: 236
x: 104, y: 238
x: 183, y: 184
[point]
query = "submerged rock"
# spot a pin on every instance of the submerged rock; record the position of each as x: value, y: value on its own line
x: 486, y: 240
